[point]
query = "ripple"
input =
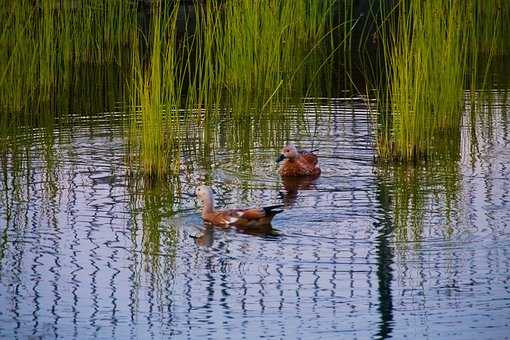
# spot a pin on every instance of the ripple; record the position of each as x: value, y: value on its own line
x: 364, y: 251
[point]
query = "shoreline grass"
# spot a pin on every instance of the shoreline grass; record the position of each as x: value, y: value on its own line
x: 241, y: 61
x: 431, y: 52
x: 235, y: 61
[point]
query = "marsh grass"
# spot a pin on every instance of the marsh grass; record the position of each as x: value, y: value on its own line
x: 156, y: 89
x: 429, y: 49
x: 237, y: 62
x: 426, y: 84
x: 438, y: 56
x: 42, y: 42
x: 247, y: 52
x: 241, y: 61
x: 232, y: 61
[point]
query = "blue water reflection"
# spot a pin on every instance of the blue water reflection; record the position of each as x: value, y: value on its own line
x: 85, y: 253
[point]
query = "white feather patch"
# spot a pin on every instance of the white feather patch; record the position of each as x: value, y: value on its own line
x: 230, y: 220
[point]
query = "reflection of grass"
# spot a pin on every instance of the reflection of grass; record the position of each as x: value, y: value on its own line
x: 414, y: 189
x: 152, y: 238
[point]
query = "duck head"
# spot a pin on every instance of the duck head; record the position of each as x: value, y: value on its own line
x: 205, y: 197
x: 288, y: 152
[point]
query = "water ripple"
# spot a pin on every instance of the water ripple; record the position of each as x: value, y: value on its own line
x: 364, y: 251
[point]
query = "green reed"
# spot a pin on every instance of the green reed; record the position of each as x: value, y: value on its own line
x: 427, y: 65
x: 266, y: 44
x: 156, y: 88
x: 42, y: 41
x: 429, y: 50
x: 236, y: 61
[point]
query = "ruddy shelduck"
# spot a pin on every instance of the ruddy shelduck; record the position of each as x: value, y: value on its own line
x: 298, y: 163
x: 244, y: 218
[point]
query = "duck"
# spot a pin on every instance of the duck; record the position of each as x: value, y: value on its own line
x: 298, y: 163
x: 243, y: 218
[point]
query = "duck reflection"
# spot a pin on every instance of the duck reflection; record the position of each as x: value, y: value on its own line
x: 261, y: 231
x: 206, y: 237
x: 292, y: 185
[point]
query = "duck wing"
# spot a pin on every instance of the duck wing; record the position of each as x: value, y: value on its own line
x: 309, y: 156
x: 257, y: 216
x: 244, y: 217
x: 226, y: 217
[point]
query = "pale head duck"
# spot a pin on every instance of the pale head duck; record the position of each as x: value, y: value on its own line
x: 244, y: 218
x: 298, y: 163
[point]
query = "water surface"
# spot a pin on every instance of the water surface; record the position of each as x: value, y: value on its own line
x: 365, y: 251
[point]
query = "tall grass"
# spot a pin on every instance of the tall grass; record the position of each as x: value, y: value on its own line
x: 236, y: 60
x: 154, y: 91
x: 429, y: 49
x: 41, y: 43
x: 427, y: 61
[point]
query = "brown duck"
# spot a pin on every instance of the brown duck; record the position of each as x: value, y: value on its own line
x: 244, y: 218
x: 298, y: 163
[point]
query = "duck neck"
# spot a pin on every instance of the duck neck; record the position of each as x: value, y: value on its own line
x: 208, y: 206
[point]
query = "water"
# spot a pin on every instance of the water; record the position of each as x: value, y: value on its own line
x: 365, y: 251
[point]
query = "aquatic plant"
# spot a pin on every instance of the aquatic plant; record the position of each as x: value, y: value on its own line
x: 237, y: 61
x: 429, y: 49
x: 426, y: 95
x: 42, y: 43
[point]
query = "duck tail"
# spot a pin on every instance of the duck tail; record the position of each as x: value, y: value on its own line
x: 273, y: 209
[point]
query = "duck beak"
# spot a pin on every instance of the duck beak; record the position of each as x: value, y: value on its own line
x: 281, y: 158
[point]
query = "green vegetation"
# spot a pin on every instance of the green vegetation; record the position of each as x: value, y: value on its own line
x: 152, y: 90
x: 43, y: 42
x: 206, y: 93
x: 430, y: 50
x: 231, y: 67
x: 222, y: 68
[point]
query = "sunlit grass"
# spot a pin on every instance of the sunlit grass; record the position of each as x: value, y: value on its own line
x: 238, y: 61
x: 427, y: 63
x: 431, y: 49
x: 41, y: 43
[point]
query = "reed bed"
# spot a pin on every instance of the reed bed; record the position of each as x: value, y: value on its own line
x: 427, y: 63
x: 432, y: 54
x: 242, y: 61
x: 236, y: 61
x: 239, y: 62
x: 41, y: 43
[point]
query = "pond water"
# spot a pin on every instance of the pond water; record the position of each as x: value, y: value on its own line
x: 365, y: 251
